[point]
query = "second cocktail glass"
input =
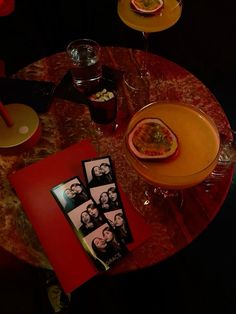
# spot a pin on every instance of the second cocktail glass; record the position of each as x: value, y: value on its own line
x: 141, y: 15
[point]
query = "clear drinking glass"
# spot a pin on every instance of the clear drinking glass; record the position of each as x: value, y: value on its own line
x: 137, y: 92
x: 85, y: 61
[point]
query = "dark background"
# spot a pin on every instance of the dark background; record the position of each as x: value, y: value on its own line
x: 202, y: 277
x: 203, y: 41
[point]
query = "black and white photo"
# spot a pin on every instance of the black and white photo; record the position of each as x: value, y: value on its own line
x: 98, y: 171
x: 70, y: 194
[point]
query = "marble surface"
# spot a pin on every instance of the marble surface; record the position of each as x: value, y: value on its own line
x: 68, y: 122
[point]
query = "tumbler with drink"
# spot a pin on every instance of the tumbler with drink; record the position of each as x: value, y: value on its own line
x: 86, y: 70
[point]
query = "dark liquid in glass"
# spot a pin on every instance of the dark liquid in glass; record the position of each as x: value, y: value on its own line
x: 103, y: 112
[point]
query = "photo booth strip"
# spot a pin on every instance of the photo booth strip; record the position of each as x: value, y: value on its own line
x: 101, y: 181
x: 89, y: 223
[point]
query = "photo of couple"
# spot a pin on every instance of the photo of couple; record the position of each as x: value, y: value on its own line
x: 90, y: 219
x: 119, y: 223
x: 105, y: 245
x: 71, y: 194
x: 109, y: 199
x: 98, y: 172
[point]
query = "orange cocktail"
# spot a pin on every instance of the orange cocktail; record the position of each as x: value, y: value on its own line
x: 198, y: 146
x: 167, y: 17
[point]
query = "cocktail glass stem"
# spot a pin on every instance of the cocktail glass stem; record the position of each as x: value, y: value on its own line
x: 144, y: 69
x: 158, y: 194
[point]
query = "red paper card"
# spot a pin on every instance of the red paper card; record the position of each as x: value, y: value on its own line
x: 63, y: 248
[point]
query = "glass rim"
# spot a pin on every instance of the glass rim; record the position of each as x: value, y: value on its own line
x: 135, y: 85
x: 92, y: 42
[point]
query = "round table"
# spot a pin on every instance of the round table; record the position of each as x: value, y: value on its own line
x: 67, y: 123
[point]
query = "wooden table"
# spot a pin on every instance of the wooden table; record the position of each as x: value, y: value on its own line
x: 67, y: 123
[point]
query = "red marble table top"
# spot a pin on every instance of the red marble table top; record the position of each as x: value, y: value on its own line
x: 67, y: 123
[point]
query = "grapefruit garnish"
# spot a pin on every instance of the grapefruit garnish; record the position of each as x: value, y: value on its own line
x: 151, y: 138
x: 147, y: 6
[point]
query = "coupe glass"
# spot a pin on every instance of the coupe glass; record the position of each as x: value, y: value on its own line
x: 197, y: 153
x: 147, y: 23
